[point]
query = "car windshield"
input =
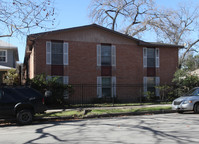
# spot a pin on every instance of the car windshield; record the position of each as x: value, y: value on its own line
x: 193, y: 92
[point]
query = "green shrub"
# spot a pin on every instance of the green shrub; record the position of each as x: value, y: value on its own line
x: 58, y: 89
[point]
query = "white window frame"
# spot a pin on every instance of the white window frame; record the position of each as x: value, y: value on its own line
x: 65, y: 53
x: 144, y: 57
x: 157, y: 58
x: 113, y: 55
x: 48, y: 53
x: 157, y: 83
x: 6, y: 56
x: 65, y: 78
x: 114, y: 86
x: 99, y: 55
x: 99, y: 87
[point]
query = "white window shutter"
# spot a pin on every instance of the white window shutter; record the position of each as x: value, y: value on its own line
x: 98, y: 55
x: 65, y: 80
x: 99, y: 87
x: 113, y: 55
x: 48, y: 52
x: 113, y: 94
x: 145, y: 57
x: 145, y: 85
x: 157, y: 56
x: 65, y: 53
x: 48, y: 78
x: 157, y: 83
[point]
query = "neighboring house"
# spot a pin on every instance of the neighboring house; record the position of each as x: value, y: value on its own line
x: 195, y: 72
x: 96, y: 55
x: 8, y: 57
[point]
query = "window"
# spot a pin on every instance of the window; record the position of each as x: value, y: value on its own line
x: 151, y: 57
x: 56, y: 53
x: 106, y: 55
x: 106, y: 87
x: 3, y: 56
x: 59, y: 79
x: 150, y: 84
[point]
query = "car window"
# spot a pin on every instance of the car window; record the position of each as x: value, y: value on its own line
x: 196, y: 92
x: 8, y: 96
x: 193, y: 92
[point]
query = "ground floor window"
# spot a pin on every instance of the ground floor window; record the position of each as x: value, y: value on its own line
x: 106, y: 87
x: 59, y: 79
x: 150, y: 85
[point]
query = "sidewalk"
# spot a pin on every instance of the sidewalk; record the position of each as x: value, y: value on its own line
x: 116, y: 107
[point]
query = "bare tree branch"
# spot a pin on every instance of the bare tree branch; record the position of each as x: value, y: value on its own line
x: 20, y: 16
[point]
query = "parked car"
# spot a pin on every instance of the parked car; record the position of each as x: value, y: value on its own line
x: 20, y: 102
x: 188, y: 102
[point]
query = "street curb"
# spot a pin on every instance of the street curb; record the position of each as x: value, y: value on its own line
x: 103, y: 115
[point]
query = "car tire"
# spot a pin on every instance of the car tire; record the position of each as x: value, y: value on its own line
x: 24, y: 117
x: 196, y: 108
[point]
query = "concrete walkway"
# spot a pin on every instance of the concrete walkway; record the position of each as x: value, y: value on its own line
x: 116, y: 107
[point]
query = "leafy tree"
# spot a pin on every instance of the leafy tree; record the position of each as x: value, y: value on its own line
x: 184, y: 82
x: 57, y: 89
x: 191, y: 62
x: 19, y: 16
x: 11, y: 77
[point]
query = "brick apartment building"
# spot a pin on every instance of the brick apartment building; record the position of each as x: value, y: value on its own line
x: 99, y: 56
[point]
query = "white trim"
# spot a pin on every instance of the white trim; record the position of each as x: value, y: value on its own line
x: 98, y: 55
x: 6, y: 56
x: 99, y: 87
x: 65, y: 80
x: 48, y: 53
x: 113, y: 93
x: 113, y: 55
x: 157, y: 58
x: 145, y: 85
x: 65, y: 53
x: 157, y: 83
x: 144, y: 57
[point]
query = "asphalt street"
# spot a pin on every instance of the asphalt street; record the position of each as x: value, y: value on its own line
x: 154, y: 129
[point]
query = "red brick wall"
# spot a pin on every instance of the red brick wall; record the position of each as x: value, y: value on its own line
x: 82, y: 68
x: 168, y: 64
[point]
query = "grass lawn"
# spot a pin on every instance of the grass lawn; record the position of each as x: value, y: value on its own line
x: 117, y: 104
x: 81, y: 114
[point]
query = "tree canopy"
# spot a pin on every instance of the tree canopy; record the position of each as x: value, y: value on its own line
x: 20, y: 16
x: 177, y: 26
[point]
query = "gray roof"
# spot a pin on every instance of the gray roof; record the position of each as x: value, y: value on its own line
x: 6, y: 45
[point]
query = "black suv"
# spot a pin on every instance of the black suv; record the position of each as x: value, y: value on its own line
x: 21, y: 103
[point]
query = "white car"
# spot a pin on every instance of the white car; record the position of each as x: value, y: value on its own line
x: 189, y: 102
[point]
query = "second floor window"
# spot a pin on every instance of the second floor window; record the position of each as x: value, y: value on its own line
x: 3, y: 56
x: 57, y: 53
x: 151, y: 57
x: 106, y: 55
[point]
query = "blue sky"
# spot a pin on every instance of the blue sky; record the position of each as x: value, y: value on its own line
x: 72, y: 13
